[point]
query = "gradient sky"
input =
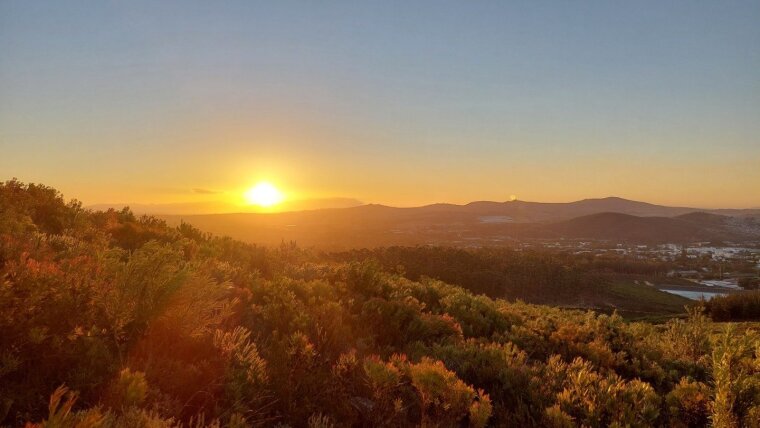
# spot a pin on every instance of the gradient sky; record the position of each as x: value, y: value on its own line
x: 402, y: 103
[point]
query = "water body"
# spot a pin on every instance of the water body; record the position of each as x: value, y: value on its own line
x: 694, y: 295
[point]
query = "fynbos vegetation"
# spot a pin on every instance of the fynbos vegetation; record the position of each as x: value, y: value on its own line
x: 111, y: 320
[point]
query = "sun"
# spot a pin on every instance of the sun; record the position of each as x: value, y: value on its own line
x: 264, y: 195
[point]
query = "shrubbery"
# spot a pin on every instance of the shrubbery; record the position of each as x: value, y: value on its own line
x: 735, y: 307
x: 112, y: 320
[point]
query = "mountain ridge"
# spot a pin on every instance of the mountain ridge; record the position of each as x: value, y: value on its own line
x: 607, y: 203
x: 484, y: 223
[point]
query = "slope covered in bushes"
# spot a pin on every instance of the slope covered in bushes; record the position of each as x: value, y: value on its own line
x: 544, y: 277
x: 735, y: 307
x: 112, y: 320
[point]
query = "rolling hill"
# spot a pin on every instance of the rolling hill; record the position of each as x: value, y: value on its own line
x: 483, y: 223
x: 625, y: 227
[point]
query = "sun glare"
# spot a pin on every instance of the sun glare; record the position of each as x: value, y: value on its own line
x: 264, y: 195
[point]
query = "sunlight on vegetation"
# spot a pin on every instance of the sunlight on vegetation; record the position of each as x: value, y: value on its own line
x: 391, y: 214
x: 123, y: 321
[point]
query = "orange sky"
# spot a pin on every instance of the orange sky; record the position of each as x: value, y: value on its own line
x: 394, y: 103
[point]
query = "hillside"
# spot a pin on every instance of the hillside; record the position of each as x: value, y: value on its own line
x: 483, y: 223
x: 518, y: 211
x: 623, y: 227
x: 562, y: 280
x: 125, y: 321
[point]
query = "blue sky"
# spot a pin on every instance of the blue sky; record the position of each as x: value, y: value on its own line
x: 394, y: 102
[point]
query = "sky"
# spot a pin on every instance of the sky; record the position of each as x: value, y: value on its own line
x: 401, y: 103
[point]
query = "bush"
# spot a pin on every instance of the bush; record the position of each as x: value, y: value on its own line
x: 149, y: 325
x: 735, y: 307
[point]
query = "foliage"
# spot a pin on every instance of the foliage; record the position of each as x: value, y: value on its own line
x: 735, y: 307
x: 735, y: 379
x: 749, y: 283
x: 689, y: 404
x: 123, y: 321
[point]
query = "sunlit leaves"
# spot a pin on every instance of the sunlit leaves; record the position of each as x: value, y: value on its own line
x: 157, y: 326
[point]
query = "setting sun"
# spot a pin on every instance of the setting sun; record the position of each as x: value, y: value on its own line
x: 318, y: 214
x: 264, y: 195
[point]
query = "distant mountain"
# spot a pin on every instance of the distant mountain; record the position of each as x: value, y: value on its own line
x: 484, y: 223
x: 629, y: 228
x: 522, y: 211
x: 193, y: 208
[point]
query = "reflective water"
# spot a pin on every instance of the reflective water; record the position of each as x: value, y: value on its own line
x: 694, y: 295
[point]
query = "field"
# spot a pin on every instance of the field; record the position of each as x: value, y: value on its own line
x: 644, y: 302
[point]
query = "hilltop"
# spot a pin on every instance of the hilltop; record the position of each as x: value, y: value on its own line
x: 613, y: 219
